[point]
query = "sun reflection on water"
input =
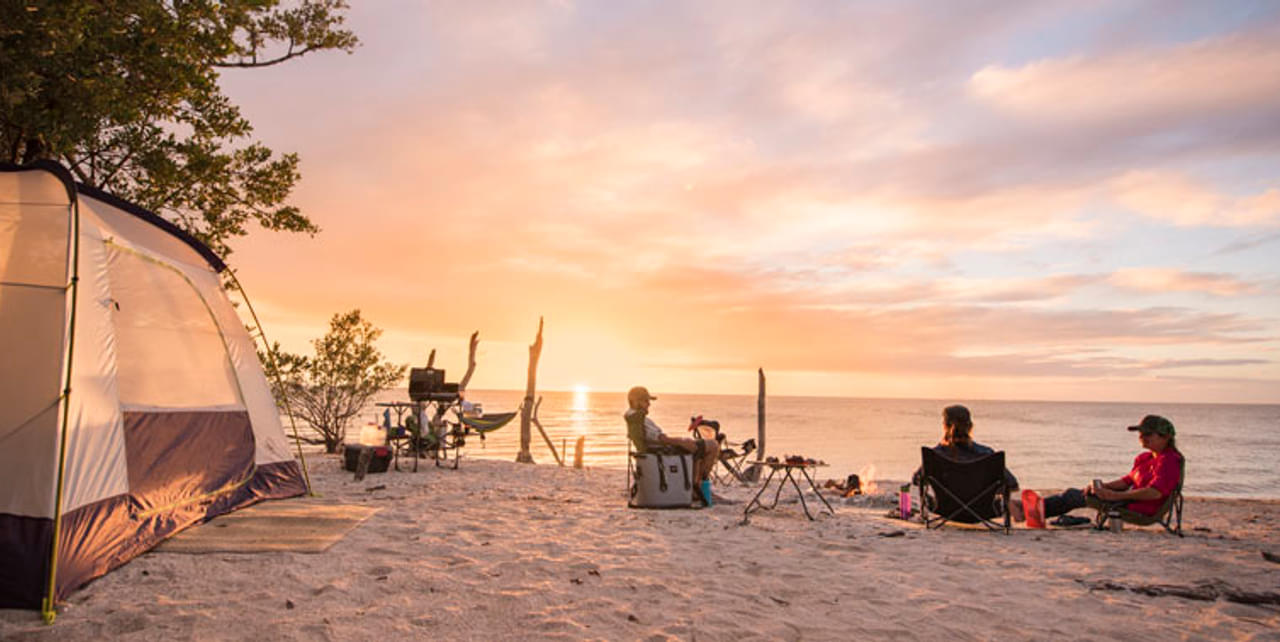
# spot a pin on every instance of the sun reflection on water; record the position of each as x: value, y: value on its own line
x: 581, y: 398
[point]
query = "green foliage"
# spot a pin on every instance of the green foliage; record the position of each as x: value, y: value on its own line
x: 329, y: 388
x: 125, y: 94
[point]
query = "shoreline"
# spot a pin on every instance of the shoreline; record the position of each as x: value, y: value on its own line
x: 499, y: 550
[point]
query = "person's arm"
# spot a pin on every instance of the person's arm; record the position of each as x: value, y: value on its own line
x: 1119, y: 484
x: 1116, y: 485
x: 1131, y: 495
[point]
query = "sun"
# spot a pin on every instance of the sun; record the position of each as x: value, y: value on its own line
x: 581, y: 397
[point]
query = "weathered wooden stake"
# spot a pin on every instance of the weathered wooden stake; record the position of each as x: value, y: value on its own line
x: 577, y: 452
x: 753, y: 473
x: 526, y: 409
x: 760, y: 420
x: 431, y: 360
x: 471, y: 362
x: 558, y: 455
x: 362, y: 464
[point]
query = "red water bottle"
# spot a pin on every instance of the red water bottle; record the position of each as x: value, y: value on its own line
x: 904, y: 501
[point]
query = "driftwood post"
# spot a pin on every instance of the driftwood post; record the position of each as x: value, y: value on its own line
x: 471, y: 362
x: 559, y: 457
x: 760, y: 420
x: 526, y: 409
x: 753, y: 473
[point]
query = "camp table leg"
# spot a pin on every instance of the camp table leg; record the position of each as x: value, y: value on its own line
x: 755, y: 504
x: 781, y: 483
x: 809, y: 478
x: 799, y: 492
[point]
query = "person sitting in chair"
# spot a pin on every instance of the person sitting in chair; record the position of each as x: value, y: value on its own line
x: 1155, y: 475
x: 705, y: 451
x: 958, y: 445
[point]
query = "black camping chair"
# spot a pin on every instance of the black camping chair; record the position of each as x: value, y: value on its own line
x: 963, y: 492
x: 732, y: 456
x: 732, y: 459
x: 1169, y: 516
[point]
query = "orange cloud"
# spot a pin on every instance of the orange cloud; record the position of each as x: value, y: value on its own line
x: 1180, y: 200
x: 1174, y: 280
x: 1208, y: 76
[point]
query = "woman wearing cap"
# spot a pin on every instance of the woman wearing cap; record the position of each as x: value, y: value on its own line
x: 1155, y: 474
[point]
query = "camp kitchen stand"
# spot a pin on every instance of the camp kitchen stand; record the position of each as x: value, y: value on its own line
x: 430, y: 397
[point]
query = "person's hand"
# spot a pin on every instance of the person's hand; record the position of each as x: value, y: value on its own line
x: 1106, y: 494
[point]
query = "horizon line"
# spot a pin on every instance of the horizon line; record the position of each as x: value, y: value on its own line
x: 934, y: 399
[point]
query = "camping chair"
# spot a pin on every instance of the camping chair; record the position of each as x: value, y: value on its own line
x: 732, y: 456
x: 1169, y: 516
x: 963, y: 492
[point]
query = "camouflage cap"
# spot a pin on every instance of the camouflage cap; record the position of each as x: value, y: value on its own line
x: 1155, y: 424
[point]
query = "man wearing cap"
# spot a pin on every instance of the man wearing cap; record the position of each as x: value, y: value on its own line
x: 1155, y: 474
x: 705, y: 452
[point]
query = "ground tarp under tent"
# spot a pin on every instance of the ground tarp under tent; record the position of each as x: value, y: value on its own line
x: 132, y: 402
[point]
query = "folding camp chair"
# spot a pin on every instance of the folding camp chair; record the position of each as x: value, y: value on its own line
x: 1169, y: 516
x: 732, y: 456
x: 963, y: 492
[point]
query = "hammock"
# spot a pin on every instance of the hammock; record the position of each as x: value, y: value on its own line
x: 488, y: 423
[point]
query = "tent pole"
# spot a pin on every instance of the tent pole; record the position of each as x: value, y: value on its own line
x: 271, y: 354
x: 48, y: 608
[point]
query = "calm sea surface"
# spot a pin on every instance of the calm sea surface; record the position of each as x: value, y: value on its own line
x: 1231, y: 450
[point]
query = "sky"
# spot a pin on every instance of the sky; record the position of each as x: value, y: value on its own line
x: 1067, y: 200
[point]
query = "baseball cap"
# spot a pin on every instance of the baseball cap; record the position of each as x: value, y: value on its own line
x: 1156, y: 424
x: 638, y: 393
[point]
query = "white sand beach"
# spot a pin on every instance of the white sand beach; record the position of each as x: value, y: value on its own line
x: 499, y: 550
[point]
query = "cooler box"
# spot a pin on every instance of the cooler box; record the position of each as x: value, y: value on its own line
x: 381, y: 458
x: 661, y: 481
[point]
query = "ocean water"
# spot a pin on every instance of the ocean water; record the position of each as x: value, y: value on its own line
x: 1231, y: 450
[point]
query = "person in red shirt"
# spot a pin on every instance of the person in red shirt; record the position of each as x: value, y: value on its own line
x: 1154, y: 476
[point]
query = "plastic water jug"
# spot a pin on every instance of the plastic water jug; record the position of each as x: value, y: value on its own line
x: 372, y: 435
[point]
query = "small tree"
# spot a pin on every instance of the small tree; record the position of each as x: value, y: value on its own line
x: 328, y: 389
x: 127, y: 95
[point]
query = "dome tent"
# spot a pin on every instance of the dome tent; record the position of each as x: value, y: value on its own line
x: 132, y: 403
